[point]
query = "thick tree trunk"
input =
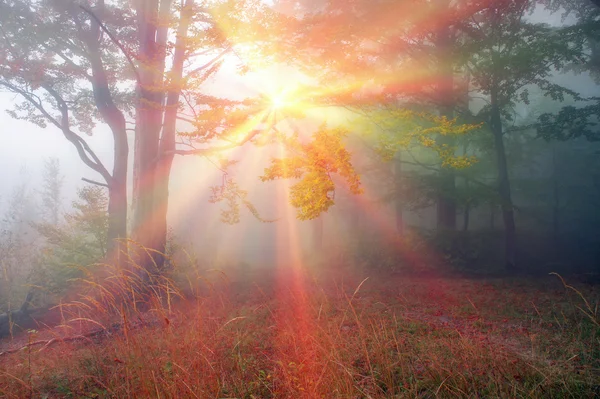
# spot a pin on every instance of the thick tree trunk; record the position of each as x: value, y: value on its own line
x: 154, y: 153
x: 144, y: 226
x: 149, y: 114
x: 167, y: 142
x: 504, y: 185
x: 398, y: 200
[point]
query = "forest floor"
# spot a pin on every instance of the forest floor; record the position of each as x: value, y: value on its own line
x: 341, y: 335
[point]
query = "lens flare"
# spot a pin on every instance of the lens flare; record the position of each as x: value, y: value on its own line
x: 279, y: 101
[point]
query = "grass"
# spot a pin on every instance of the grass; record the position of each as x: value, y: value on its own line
x: 293, y: 335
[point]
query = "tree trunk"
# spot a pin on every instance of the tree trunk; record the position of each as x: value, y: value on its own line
x: 398, y: 200
x: 446, y: 199
x: 446, y: 204
x: 117, y: 219
x: 117, y: 184
x: 556, y: 198
x: 155, y: 152
x: 467, y: 213
x: 167, y: 142
x: 149, y: 115
x: 504, y: 185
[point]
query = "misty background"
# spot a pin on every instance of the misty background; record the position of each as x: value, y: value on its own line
x: 196, y: 222
x: 553, y: 183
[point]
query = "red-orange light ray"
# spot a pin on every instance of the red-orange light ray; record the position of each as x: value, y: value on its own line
x: 294, y: 319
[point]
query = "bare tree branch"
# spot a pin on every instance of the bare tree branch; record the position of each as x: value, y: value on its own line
x: 73, y: 137
x: 212, y: 150
x: 209, y: 63
x: 83, y: 149
x: 95, y: 182
x: 184, y: 119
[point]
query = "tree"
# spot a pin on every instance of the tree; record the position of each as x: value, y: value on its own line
x: 78, y: 65
x: 314, y: 164
x: 51, y: 192
x: 77, y: 244
x: 492, y: 46
x: 57, y: 57
x: 574, y: 121
x: 506, y: 56
x: 17, y: 244
x: 418, y: 145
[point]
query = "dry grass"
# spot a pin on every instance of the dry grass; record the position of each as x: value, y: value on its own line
x: 289, y: 335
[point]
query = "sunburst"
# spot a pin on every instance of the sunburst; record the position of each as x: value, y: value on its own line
x: 279, y: 101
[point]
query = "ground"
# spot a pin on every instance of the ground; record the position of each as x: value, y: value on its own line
x: 300, y: 333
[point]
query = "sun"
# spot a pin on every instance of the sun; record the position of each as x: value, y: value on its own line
x: 280, y: 100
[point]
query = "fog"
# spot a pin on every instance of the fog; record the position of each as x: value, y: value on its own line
x: 194, y: 220
x: 355, y: 223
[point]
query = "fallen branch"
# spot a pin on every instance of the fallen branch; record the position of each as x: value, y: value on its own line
x: 49, y: 342
x: 115, y: 328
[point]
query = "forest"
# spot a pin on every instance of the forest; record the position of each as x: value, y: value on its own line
x: 300, y: 199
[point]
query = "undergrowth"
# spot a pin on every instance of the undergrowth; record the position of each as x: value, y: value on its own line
x: 287, y: 334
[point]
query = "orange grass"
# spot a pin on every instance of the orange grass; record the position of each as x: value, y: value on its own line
x: 387, y: 337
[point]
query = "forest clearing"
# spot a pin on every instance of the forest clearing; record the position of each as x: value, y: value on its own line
x: 295, y: 335
x: 299, y: 199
